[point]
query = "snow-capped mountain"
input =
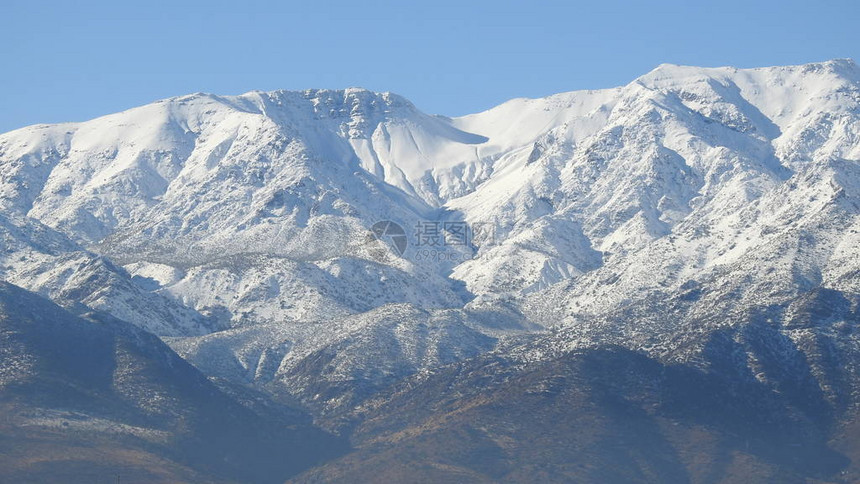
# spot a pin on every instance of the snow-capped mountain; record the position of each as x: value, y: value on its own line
x: 322, y: 246
x: 249, y: 208
x: 258, y: 207
x: 686, y: 170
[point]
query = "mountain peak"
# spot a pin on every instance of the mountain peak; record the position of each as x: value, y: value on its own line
x: 845, y: 68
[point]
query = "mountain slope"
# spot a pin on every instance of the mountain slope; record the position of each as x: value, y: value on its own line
x: 47, y: 262
x: 755, y: 400
x: 87, y: 399
x: 333, y: 365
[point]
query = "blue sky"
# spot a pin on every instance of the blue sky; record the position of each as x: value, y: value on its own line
x: 71, y: 61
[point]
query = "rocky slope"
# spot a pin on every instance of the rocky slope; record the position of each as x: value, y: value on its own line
x: 757, y: 400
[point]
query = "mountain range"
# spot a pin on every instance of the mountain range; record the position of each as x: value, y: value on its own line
x: 657, y: 282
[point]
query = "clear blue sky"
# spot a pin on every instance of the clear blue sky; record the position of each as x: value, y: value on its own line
x: 71, y: 61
